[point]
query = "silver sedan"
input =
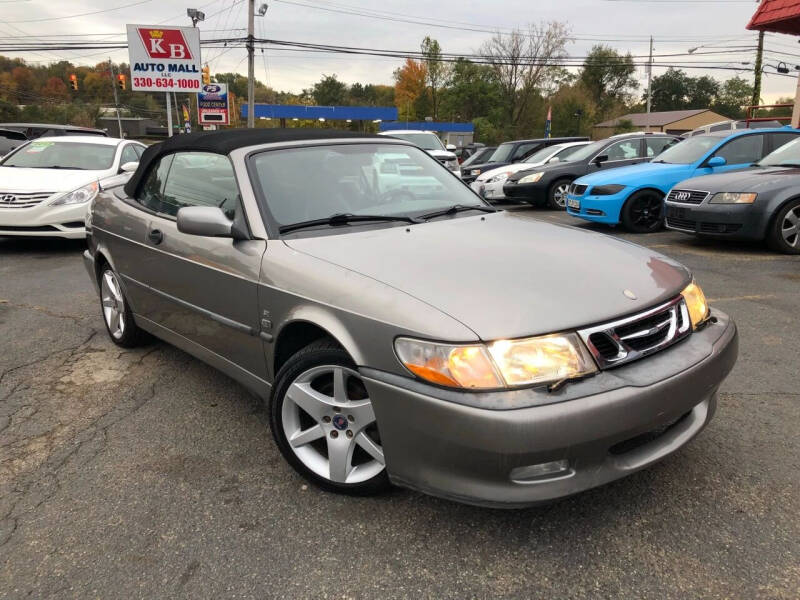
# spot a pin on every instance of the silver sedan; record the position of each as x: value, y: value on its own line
x: 399, y: 329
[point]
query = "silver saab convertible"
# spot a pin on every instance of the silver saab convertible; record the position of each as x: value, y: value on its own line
x: 398, y: 327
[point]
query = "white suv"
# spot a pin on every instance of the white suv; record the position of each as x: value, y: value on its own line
x: 430, y: 142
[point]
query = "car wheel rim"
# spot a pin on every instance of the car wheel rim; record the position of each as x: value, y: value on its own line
x: 646, y: 212
x: 113, y: 305
x: 790, y: 228
x: 560, y: 195
x: 330, y: 426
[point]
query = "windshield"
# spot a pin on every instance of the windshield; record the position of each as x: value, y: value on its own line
x: 542, y: 154
x: 63, y: 155
x: 588, y: 151
x: 358, y: 179
x: 426, y: 141
x: 478, y: 157
x: 788, y: 155
x: 502, y: 154
x: 689, y: 150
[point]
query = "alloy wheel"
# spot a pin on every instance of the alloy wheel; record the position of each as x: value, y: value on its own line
x: 113, y: 304
x: 560, y: 195
x: 329, y: 423
x: 646, y: 211
x: 790, y: 228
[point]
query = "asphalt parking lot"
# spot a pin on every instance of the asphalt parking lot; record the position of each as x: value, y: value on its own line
x: 146, y: 474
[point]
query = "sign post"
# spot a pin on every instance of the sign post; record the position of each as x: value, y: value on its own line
x: 164, y: 59
x: 212, y: 104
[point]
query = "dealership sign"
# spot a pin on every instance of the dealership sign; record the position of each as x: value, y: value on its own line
x: 212, y: 104
x: 164, y: 59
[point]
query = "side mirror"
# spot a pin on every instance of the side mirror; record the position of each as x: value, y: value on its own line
x: 555, y: 159
x: 451, y: 147
x: 598, y: 160
x: 207, y: 221
x: 128, y: 167
x: 716, y: 161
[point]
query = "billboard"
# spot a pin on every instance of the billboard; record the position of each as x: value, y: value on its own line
x: 212, y: 104
x: 164, y: 59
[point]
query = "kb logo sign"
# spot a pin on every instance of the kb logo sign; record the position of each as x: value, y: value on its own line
x: 165, y: 43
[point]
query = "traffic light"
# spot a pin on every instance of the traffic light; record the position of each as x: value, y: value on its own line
x: 73, y: 82
x: 206, y: 75
x: 121, y: 81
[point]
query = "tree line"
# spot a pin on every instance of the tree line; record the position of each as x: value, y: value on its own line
x: 505, y: 89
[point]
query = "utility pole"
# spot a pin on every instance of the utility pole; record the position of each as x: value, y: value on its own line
x: 169, y: 117
x: 251, y: 25
x: 757, y: 79
x: 649, y: 81
x: 114, y: 87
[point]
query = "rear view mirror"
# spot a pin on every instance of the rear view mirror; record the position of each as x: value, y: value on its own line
x: 207, y: 221
x: 600, y: 159
x: 716, y: 161
x: 129, y: 167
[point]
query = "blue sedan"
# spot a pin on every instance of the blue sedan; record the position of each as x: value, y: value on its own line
x: 634, y: 196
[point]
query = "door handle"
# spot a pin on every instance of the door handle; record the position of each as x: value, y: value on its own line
x: 155, y: 236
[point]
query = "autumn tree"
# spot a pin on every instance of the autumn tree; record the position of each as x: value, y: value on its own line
x: 437, y: 71
x: 56, y: 89
x: 410, y: 90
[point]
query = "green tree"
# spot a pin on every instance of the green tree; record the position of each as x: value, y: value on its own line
x: 669, y: 91
x: 574, y: 111
x: 329, y: 91
x: 437, y: 71
x: 702, y: 92
x: 473, y: 91
x: 609, y: 77
x: 734, y: 95
x: 624, y: 126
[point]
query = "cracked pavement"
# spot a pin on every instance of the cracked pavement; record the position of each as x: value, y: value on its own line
x: 144, y: 473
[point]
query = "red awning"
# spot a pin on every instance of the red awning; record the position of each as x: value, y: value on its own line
x: 780, y: 16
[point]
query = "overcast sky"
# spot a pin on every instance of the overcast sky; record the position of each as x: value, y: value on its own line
x: 676, y: 25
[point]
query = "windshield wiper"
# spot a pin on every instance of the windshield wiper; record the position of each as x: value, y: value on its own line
x: 788, y: 163
x: 344, y: 219
x: 455, y: 209
x: 60, y: 167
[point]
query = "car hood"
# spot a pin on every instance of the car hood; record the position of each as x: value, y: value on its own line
x: 660, y: 174
x: 442, y: 154
x: 486, y: 166
x: 504, y: 275
x: 512, y: 168
x: 757, y: 179
x: 19, y: 179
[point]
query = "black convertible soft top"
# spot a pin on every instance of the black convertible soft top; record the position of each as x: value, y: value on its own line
x: 223, y: 142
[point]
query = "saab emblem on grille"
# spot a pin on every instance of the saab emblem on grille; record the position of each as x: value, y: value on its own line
x: 8, y: 198
x: 629, y: 294
x: 682, y: 196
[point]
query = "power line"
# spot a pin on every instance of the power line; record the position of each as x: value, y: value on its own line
x: 75, y: 16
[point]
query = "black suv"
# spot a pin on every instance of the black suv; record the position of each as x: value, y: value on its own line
x: 549, y: 183
x: 511, y: 152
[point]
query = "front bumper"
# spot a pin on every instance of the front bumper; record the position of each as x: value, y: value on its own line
x: 44, y: 220
x: 525, y: 192
x: 734, y: 221
x: 489, y: 191
x: 448, y: 448
x: 598, y: 209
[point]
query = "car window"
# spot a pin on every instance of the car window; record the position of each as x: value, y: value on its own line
x: 656, y: 145
x: 720, y: 127
x: 128, y: 155
x: 151, y: 193
x: 742, y: 150
x: 779, y: 139
x: 786, y: 155
x: 139, y: 149
x: 624, y: 150
x: 426, y: 141
x: 200, y: 179
x: 524, y: 149
x: 51, y: 154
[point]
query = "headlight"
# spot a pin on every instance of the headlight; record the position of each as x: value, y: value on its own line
x: 532, y: 178
x: 499, y: 178
x: 79, y: 196
x: 696, y: 303
x: 475, y: 172
x: 606, y: 190
x: 500, y: 364
x: 733, y: 198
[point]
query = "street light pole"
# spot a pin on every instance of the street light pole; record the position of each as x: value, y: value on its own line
x: 116, y: 101
x: 649, y: 82
x: 251, y: 25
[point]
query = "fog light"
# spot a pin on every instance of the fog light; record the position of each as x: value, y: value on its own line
x: 548, y: 470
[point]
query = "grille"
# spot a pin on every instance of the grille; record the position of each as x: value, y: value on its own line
x: 645, y: 333
x: 14, y: 200
x: 687, y: 196
x: 577, y: 190
x: 720, y: 227
x: 680, y: 223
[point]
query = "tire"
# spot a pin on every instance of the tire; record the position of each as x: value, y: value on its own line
x: 557, y: 194
x: 783, y: 234
x: 320, y: 403
x: 116, y: 312
x: 643, y: 212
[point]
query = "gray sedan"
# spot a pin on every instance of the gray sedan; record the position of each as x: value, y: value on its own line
x: 401, y: 330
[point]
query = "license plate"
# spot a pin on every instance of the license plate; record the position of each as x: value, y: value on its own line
x: 676, y: 212
x: 574, y: 203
